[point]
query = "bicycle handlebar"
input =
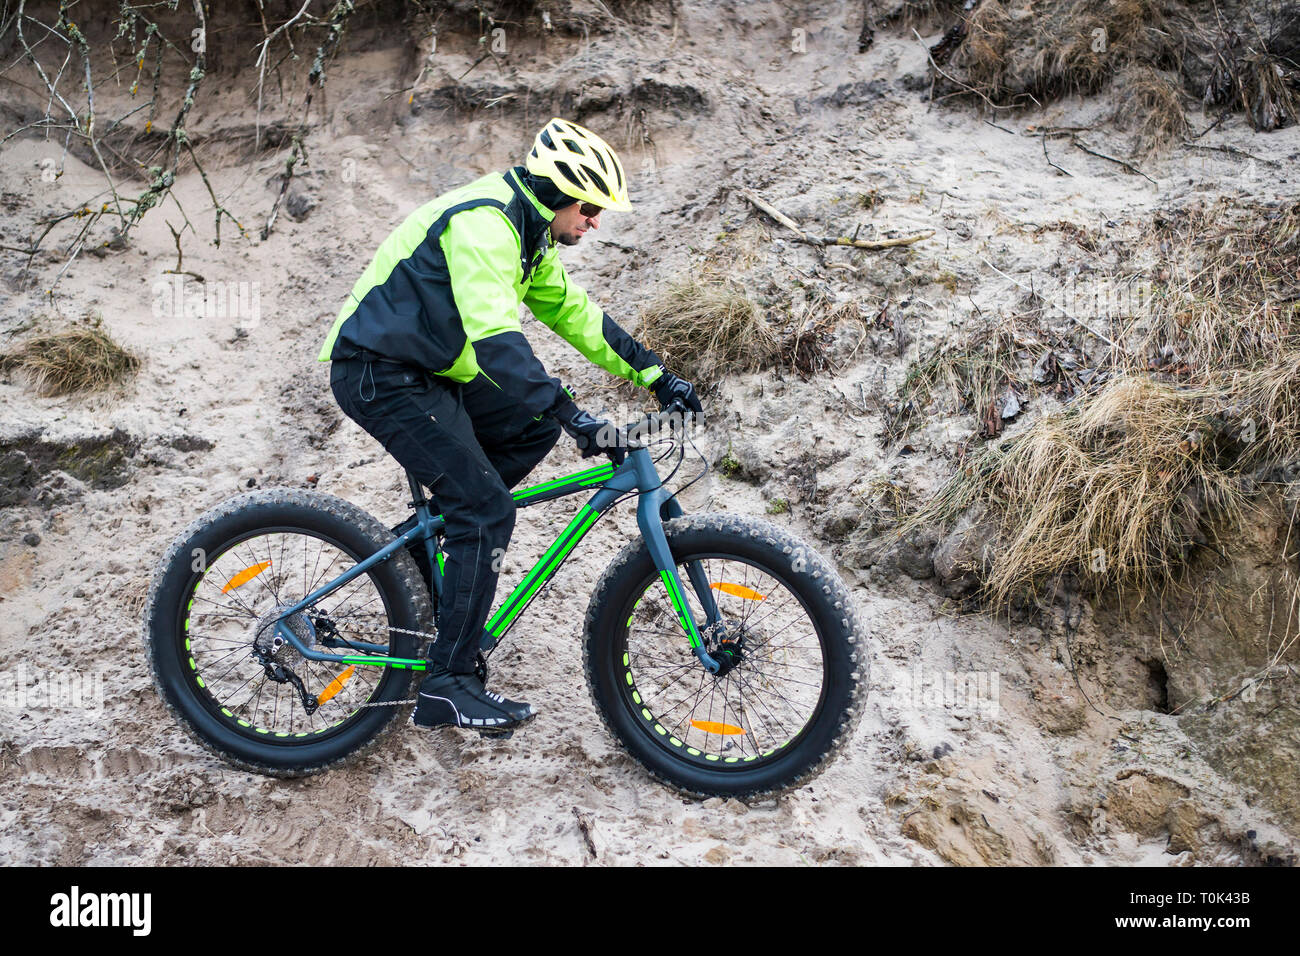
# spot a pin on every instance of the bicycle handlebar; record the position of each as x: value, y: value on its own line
x: 652, y: 422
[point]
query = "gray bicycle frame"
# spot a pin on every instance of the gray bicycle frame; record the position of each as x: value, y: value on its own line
x: 636, y: 475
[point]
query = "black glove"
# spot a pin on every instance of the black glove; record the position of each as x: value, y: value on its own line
x: 596, y: 435
x: 668, y: 388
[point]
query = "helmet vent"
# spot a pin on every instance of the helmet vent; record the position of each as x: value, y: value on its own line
x: 575, y: 148
x: 600, y: 183
x: 568, y: 174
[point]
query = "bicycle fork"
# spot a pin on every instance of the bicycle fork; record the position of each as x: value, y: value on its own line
x: 651, y: 509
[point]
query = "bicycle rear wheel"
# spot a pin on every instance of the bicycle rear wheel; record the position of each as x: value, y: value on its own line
x: 219, y: 667
x: 789, y: 691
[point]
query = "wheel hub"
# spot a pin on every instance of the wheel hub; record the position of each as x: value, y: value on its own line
x: 272, y: 648
x: 725, y: 642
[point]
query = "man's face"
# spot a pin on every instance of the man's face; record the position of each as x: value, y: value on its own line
x: 570, y: 225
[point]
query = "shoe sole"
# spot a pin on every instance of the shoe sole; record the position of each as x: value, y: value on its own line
x: 440, y: 712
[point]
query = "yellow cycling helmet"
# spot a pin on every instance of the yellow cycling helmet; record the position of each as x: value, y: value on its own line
x: 580, y: 163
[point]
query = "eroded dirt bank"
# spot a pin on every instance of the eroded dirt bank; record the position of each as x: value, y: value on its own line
x: 1069, y: 734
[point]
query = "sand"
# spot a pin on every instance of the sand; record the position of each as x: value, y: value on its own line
x: 1035, y: 774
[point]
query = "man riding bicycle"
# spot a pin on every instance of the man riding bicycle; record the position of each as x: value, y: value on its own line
x: 429, y: 357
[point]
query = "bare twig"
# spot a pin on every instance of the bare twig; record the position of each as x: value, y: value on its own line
x: 261, y: 66
x: 870, y: 243
x: 1074, y: 140
x: 1230, y: 150
x: 952, y: 79
x: 336, y: 21
x: 1068, y: 314
x: 772, y: 211
x: 1049, y: 158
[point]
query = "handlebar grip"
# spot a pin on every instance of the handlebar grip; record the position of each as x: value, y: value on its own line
x: 657, y: 418
x: 653, y: 421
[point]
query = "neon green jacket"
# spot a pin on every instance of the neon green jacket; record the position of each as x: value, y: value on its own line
x: 444, y: 289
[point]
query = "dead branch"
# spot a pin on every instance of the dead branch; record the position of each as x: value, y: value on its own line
x: 1049, y: 158
x: 1074, y: 141
x: 1231, y: 151
x: 802, y: 236
x: 872, y: 243
x: 772, y: 211
x: 336, y: 21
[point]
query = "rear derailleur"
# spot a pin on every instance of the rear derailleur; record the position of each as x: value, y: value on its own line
x: 281, y: 674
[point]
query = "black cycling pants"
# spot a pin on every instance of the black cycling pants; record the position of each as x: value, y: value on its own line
x: 469, y: 444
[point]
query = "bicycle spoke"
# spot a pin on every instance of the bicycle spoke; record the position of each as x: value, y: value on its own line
x: 222, y: 637
x: 770, y: 683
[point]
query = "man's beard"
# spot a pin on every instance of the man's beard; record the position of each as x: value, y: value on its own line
x: 568, y: 239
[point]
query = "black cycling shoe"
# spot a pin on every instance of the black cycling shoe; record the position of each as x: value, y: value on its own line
x: 459, y: 700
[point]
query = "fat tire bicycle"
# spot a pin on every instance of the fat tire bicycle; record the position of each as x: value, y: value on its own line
x: 283, y: 629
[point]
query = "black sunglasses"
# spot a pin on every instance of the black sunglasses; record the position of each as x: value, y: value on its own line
x: 590, y: 210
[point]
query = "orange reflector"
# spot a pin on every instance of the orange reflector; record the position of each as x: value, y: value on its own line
x: 336, y: 685
x: 739, y: 590
x: 712, y: 727
x: 244, y: 576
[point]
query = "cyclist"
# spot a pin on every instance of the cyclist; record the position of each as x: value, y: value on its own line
x: 429, y: 357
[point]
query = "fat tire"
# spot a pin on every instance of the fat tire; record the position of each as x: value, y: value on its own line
x: 828, y: 600
x: 361, y: 535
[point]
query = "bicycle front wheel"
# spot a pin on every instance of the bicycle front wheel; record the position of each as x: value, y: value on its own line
x: 232, y: 683
x: 793, y: 665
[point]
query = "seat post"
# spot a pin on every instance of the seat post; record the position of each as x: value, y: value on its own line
x: 431, y: 567
x: 418, y: 499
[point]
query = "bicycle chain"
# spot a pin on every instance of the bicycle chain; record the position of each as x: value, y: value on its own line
x: 400, y: 630
x: 390, y: 628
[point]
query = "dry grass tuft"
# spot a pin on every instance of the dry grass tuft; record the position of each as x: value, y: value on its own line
x: 80, y: 359
x: 707, y: 328
x: 804, y: 347
x: 1116, y: 488
x: 1152, y: 104
x: 968, y: 376
x: 1029, y: 52
x: 1232, y: 297
x: 1252, y: 60
x: 1025, y: 52
x: 983, y: 56
x: 1265, y: 93
x: 1167, y: 454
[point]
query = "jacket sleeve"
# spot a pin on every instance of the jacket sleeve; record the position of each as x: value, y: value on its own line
x: 482, y: 252
x: 564, y: 307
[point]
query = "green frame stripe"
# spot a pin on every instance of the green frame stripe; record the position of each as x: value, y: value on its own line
x: 579, y: 480
x: 547, y: 565
x: 684, y: 617
x: 378, y: 660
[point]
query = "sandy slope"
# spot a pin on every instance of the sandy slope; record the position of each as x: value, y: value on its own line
x: 1036, y: 782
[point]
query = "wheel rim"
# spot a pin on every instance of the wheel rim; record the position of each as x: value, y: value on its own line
x: 775, y: 669
x: 231, y: 601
